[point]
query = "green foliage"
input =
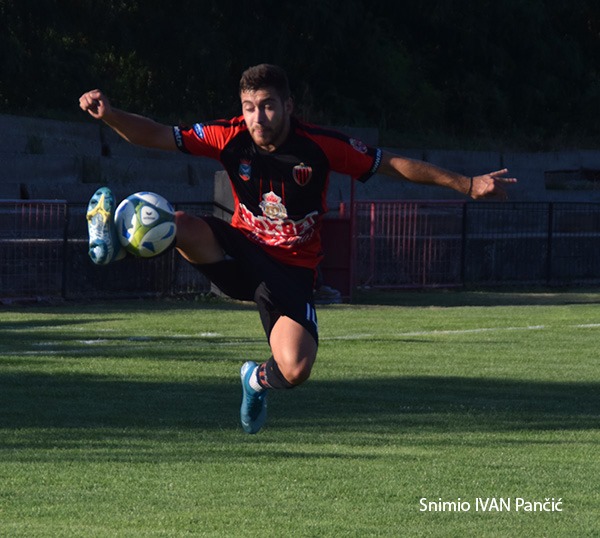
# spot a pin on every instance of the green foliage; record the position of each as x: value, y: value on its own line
x: 518, y: 69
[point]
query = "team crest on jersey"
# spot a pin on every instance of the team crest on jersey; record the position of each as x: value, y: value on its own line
x: 358, y: 145
x: 302, y: 174
x: 272, y: 207
x: 245, y: 170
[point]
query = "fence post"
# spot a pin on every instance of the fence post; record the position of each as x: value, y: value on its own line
x: 549, y: 246
x: 65, y: 256
x: 463, y: 244
x: 372, y: 241
x: 353, y: 248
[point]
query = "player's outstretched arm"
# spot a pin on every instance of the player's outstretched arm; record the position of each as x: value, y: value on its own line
x: 490, y: 185
x: 136, y: 129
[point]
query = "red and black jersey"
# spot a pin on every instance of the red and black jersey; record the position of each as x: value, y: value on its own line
x: 280, y: 196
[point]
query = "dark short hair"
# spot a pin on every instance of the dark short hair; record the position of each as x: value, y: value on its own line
x: 263, y: 76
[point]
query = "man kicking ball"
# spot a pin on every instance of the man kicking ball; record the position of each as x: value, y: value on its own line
x: 279, y: 170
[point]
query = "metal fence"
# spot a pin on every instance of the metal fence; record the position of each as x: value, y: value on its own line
x: 413, y: 244
x: 32, y: 239
x: 43, y: 254
x: 427, y: 244
x: 43, y: 249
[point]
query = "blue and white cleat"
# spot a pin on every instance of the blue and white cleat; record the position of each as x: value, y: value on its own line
x: 104, y: 245
x: 253, y: 412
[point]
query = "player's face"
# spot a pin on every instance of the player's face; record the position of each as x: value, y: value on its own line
x: 267, y: 117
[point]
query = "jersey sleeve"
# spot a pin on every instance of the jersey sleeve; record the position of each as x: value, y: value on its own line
x: 207, y: 139
x: 361, y: 161
x: 347, y: 155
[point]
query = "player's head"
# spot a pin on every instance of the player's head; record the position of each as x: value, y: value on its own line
x: 264, y: 76
x: 266, y: 104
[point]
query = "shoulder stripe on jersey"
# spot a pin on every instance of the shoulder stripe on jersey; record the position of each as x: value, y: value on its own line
x: 226, y: 123
x: 219, y: 123
x: 317, y: 130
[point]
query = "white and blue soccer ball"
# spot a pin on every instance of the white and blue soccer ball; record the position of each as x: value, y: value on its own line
x: 145, y: 223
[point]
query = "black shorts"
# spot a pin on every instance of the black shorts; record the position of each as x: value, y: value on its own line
x: 248, y: 273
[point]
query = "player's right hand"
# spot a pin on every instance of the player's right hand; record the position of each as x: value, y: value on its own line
x: 95, y: 103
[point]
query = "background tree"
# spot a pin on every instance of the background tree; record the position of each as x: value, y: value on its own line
x: 481, y: 74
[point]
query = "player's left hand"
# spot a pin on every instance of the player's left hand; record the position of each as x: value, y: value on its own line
x: 491, y: 186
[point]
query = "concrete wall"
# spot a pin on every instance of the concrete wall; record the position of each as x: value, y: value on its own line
x: 528, y: 168
x: 46, y: 159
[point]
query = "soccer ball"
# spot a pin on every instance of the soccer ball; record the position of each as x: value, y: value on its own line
x: 145, y: 224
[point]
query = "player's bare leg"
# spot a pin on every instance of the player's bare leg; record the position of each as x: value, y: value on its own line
x: 195, y: 240
x: 294, y: 349
x: 294, y: 352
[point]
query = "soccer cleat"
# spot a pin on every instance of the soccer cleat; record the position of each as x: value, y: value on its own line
x: 253, y: 412
x: 104, y: 245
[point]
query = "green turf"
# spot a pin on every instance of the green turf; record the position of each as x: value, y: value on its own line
x: 121, y: 419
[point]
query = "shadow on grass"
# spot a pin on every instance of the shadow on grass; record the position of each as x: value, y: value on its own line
x: 84, y: 336
x: 34, y: 325
x: 180, y: 348
x: 450, y: 298
x: 127, y: 306
x: 374, y: 405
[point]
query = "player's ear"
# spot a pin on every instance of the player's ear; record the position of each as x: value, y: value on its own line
x: 288, y: 105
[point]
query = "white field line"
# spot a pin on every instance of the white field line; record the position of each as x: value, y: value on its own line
x: 436, y: 332
x: 206, y: 339
x: 366, y: 336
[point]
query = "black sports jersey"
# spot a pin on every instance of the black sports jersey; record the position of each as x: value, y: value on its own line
x: 280, y: 196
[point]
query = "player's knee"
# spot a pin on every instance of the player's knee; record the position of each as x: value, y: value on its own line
x: 296, y: 373
x: 294, y: 351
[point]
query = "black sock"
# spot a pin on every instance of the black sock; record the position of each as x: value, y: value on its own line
x: 270, y: 377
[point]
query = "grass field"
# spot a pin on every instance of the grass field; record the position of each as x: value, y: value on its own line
x: 121, y: 419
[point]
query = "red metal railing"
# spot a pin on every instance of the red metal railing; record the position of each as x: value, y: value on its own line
x: 381, y: 244
x: 407, y: 244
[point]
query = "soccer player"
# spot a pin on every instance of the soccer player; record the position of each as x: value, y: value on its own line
x: 279, y: 168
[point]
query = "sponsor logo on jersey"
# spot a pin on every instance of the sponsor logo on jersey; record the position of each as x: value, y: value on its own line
x: 199, y: 130
x: 272, y: 207
x: 245, y: 170
x: 274, y: 228
x: 358, y: 145
x: 302, y: 174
